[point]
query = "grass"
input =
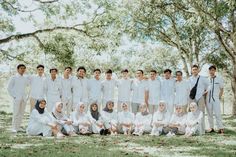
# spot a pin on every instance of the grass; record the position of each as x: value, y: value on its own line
x: 130, y: 146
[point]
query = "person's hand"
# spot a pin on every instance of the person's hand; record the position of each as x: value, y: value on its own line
x: 68, y: 122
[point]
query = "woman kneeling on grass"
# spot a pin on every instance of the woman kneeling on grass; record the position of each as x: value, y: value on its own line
x: 177, y: 123
x: 62, y: 120
x: 194, y: 119
x: 81, y: 121
x: 41, y: 122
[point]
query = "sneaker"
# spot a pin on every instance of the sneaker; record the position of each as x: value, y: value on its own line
x: 170, y: 134
x: 13, y: 131
x: 210, y: 130
x: 157, y: 134
x: 221, y: 131
x: 21, y: 130
x: 102, y: 132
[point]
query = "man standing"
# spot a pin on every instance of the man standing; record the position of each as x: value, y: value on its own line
x: 168, y: 90
x: 213, y: 100
x: 198, y: 86
x: 17, y: 89
x: 53, y: 89
x: 36, y: 86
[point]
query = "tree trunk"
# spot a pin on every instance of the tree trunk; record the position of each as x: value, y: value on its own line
x: 233, y: 85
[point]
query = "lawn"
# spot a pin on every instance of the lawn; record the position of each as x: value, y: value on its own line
x: 120, y: 145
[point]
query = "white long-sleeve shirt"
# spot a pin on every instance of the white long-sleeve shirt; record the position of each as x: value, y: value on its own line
x: 53, y: 88
x: 143, y: 119
x: 182, y: 89
x: 126, y: 117
x: 192, y: 120
x: 161, y: 118
x: 80, y: 90
x: 168, y: 90
x: 66, y: 88
x: 216, y: 84
x: 154, y: 91
x: 108, y: 89
x: 94, y: 90
x: 178, y: 119
x: 79, y: 119
x: 109, y: 117
x: 139, y: 89
x: 17, y: 86
x: 124, y: 89
x: 37, y: 87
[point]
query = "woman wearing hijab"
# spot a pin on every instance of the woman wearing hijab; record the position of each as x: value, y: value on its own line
x: 95, y: 118
x: 160, y: 120
x: 62, y: 120
x: 194, y: 119
x: 81, y: 121
x: 177, y: 123
x: 109, y: 116
x: 41, y: 122
x: 126, y: 119
x: 142, y: 121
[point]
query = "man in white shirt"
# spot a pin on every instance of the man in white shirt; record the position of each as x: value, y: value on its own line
x: 17, y: 89
x: 124, y: 89
x: 36, y: 86
x: 202, y: 87
x: 95, y: 88
x: 108, y: 88
x: 80, y: 88
x: 168, y: 90
x: 153, y: 91
x: 182, y: 89
x: 139, y: 86
x: 66, y: 82
x: 53, y: 89
x: 214, y: 95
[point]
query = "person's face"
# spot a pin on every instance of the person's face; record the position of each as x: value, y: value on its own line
x: 124, y: 74
x: 161, y: 107
x: 179, y: 76
x: 67, y: 71
x: 81, y: 73
x: 97, y: 74
x: 21, y: 70
x: 195, y: 71
x: 42, y: 105
x: 178, y: 110
x: 53, y: 73
x: 108, y: 76
x: 139, y: 74
x: 125, y: 107
x: 81, y: 108
x: 142, y: 108
x: 110, y: 106
x: 59, y: 108
x: 94, y: 107
x: 153, y: 75
x: 192, y: 108
x: 167, y: 75
x: 212, y: 72
x: 40, y: 71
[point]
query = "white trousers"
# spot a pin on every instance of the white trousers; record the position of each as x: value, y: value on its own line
x: 18, y: 113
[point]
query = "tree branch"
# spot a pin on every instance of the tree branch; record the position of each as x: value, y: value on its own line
x: 16, y: 8
x: 46, y: 1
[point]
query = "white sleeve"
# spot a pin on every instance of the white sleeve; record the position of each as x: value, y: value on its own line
x: 10, y: 87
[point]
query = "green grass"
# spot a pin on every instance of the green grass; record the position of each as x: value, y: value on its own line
x: 115, y: 146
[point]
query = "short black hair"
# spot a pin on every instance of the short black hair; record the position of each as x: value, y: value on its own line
x: 20, y: 65
x: 81, y: 68
x: 124, y: 70
x: 40, y: 66
x: 140, y: 70
x: 195, y: 66
x: 68, y: 68
x: 167, y: 70
x: 181, y: 73
x: 153, y: 71
x: 97, y: 70
x: 53, y: 69
x: 212, y: 67
x: 109, y: 71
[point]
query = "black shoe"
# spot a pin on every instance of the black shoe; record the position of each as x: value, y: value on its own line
x: 210, y: 131
x: 221, y: 131
x: 106, y: 131
x: 102, y: 132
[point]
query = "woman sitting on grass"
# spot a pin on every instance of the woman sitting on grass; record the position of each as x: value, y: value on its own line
x: 142, y: 121
x: 62, y: 120
x: 194, y: 119
x: 160, y: 119
x: 126, y: 119
x: 81, y: 121
x: 109, y: 116
x: 177, y: 123
x: 41, y: 122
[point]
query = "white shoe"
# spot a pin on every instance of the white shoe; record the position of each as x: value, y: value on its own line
x: 21, y: 130
x: 157, y: 134
x: 13, y: 131
x: 169, y: 134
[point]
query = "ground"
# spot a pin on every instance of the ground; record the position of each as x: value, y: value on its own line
x: 120, y: 145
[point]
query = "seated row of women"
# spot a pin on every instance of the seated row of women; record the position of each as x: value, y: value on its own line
x: 110, y: 122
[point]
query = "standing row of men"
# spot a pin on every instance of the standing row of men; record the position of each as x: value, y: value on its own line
x: 71, y: 90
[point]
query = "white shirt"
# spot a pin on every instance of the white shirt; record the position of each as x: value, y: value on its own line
x: 17, y: 86
x: 178, y: 119
x: 79, y: 118
x: 154, y: 91
x: 143, y: 119
x: 66, y: 88
x: 94, y: 90
x: 80, y: 90
x: 36, y: 86
x: 216, y: 84
x: 161, y: 118
x: 182, y: 89
x: 109, y: 117
x: 125, y: 117
x: 124, y: 89
x: 53, y: 88
x: 203, y: 85
x: 139, y: 88
x: 108, y: 88
x: 168, y: 90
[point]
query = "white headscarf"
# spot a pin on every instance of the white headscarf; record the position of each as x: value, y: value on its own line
x: 56, y: 114
x: 161, y: 114
x: 78, y: 108
x: 197, y: 111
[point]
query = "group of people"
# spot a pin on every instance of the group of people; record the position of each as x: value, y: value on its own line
x: 71, y: 105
